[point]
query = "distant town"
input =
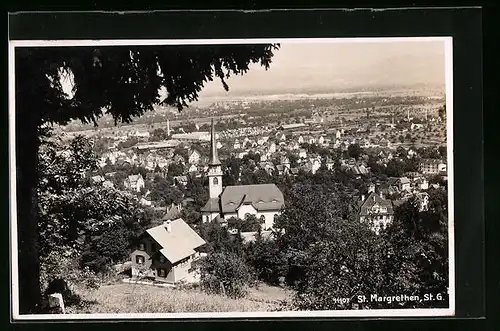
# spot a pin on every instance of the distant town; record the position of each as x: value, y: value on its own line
x: 283, y: 137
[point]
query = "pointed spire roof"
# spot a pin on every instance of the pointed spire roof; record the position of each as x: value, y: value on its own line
x: 214, y: 158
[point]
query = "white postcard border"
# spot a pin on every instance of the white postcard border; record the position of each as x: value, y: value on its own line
x: 378, y: 313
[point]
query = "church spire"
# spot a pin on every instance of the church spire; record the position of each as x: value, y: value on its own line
x: 214, y: 159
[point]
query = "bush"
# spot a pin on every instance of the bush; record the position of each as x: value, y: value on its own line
x: 60, y: 272
x: 268, y: 260
x: 225, y: 273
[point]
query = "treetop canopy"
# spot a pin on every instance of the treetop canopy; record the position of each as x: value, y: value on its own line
x: 124, y: 81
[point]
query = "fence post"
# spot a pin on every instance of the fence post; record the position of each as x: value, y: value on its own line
x: 223, y: 290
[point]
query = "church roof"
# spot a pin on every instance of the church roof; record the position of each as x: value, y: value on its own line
x: 262, y: 197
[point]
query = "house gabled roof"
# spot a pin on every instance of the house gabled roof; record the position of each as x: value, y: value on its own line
x: 173, y: 213
x: 177, y: 244
x: 372, y: 200
x: 404, y: 180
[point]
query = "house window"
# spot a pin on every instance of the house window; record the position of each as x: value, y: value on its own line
x: 162, y: 273
x: 162, y: 259
x: 142, y: 247
x: 216, y: 181
x: 139, y: 259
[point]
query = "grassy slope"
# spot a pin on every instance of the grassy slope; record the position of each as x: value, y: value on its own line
x: 130, y: 298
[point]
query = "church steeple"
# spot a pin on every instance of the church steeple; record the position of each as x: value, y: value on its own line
x: 214, y: 158
x: 214, y: 169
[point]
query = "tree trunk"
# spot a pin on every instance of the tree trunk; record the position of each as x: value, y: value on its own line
x: 27, y: 227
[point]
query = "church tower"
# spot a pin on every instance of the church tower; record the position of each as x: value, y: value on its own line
x: 214, y: 168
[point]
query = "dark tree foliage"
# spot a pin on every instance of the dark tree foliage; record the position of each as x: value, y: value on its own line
x: 164, y: 193
x: 225, y: 273
x: 250, y: 224
x: 219, y: 239
x: 420, y: 243
x: 123, y: 82
x: 267, y: 259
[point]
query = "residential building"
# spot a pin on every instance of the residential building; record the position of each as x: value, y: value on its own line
x: 194, y: 157
x: 404, y: 184
x: 302, y: 153
x: 432, y: 166
x: 166, y: 252
x: 134, y: 183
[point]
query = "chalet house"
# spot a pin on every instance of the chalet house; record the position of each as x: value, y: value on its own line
x: 321, y: 140
x: 300, y: 140
x: 294, y: 171
x: 302, y: 153
x: 166, y: 252
x: 134, y: 183
x: 376, y: 211
x: 194, y: 157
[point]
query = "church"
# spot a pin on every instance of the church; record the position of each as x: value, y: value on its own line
x: 262, y: 200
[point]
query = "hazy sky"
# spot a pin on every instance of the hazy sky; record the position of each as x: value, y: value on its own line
x: 341, y: 65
